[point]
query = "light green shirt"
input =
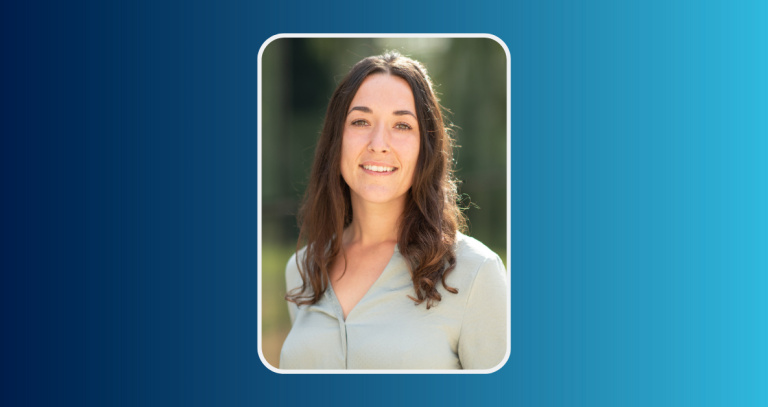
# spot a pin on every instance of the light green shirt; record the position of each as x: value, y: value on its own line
x: 385, y: 330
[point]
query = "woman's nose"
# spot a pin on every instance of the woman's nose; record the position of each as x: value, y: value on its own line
x: 379, y: 139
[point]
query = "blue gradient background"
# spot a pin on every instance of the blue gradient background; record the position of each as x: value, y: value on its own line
x: 639, y: 195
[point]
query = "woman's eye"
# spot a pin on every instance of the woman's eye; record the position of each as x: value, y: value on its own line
x: 360, y: 123
x: 403, y: 126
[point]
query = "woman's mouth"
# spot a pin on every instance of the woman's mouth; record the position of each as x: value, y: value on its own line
x: 378, y: 169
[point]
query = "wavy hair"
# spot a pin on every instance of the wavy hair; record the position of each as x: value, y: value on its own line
x: 432, y: 215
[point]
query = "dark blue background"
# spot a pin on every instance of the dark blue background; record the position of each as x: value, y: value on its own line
x: 639, y: 194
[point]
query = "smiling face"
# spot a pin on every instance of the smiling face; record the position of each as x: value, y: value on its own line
x: 380, y: 147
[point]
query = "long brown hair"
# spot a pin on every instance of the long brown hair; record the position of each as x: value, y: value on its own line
x: 432, y: 216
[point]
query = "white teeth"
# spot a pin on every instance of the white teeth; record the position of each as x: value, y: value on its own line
x: 377, y: 168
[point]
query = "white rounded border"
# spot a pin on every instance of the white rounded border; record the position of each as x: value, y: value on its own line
x: 509, y: 205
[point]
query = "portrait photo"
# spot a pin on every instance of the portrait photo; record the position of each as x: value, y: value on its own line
x: 383, y: 204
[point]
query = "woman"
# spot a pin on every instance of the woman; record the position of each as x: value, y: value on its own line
x: 386, y: 280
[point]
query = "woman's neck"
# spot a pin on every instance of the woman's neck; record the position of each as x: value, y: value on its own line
x: 373, y: 223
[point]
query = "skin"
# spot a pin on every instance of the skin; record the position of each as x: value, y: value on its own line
x: 381, y: 128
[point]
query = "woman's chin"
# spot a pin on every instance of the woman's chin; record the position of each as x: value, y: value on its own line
x: 380, y: 198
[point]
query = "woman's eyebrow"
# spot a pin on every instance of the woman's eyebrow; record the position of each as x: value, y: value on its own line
x: 403, y: 113
x: 363, y: 109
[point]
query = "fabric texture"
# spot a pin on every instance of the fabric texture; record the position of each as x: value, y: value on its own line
x: 386, y: 330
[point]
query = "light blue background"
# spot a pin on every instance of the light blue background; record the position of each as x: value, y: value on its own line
x: 639, y: 194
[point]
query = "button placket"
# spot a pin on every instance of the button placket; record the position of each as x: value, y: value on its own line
x: 331, y: 297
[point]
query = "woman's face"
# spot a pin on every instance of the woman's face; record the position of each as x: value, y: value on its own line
x: 381, y: 140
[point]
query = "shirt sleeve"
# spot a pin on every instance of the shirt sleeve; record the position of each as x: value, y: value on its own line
x: 483, y: 337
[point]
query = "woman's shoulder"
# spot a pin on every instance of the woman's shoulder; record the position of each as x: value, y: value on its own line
x: 471, y: 249
x: 300, y: 254
x: 292, y: 274
x: 474, y: 258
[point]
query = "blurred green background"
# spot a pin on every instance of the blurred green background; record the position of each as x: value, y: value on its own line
x: 298, y: 78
